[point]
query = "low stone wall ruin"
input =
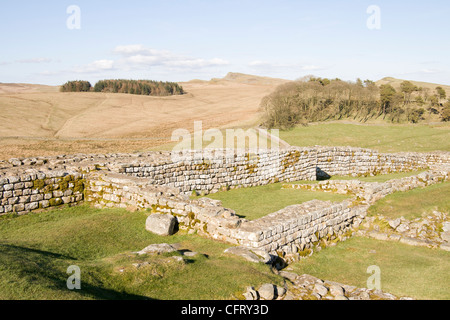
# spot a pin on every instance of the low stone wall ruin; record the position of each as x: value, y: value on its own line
x: 155, y: 182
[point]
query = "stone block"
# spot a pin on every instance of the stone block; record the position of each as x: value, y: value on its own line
x: 161, y: 224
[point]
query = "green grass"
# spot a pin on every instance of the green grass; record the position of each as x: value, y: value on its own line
x: 37, y: 249
x: 417, y: 272
x: 256, y: 202
x: 384, y: 138
x: 414, y: 203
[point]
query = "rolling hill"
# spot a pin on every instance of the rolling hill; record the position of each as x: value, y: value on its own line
x: 396, y: 84
x: 40, y: 120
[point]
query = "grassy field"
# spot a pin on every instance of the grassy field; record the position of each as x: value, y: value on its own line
x: 417, y: 272
x: 414, y: 203
x: 256, y: 202
x: 381, y: 137
x: 37, y: 249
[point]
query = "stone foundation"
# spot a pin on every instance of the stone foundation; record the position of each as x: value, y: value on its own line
x: 155, y: 182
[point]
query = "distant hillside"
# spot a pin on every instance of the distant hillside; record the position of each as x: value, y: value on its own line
x: 234, y: 77
x: 396, y: 84
x: 8, y: 88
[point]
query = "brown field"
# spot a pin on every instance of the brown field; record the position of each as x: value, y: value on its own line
x: 39, y: 120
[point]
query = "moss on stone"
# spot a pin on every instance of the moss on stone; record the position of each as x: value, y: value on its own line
x: 79, y: 186
x: 305, y: 252
x: 290, y: 159
x: 205, y: 165
x: 54, y: 202
x: 38, y: 184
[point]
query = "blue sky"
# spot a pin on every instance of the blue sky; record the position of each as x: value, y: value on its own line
x: 178, y: 40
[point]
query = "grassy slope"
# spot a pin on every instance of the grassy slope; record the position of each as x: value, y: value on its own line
x: 417, y: 272
x: 384, y: 138
x: 37, y: 249
x: 414, y: 203
x: 254, y: 203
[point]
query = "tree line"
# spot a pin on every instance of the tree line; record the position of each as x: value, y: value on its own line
x: 76, y: 86
x: 140, y: 87
x: 313, y: 99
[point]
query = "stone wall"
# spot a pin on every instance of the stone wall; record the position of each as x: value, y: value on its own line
x: 288, y: 230
x: 155, y: 182
x: 342, y: 161
x: 231, y: 170
x: 294, y: 230
x: 369, y: 192
x: 34, y: 190
x: 227, y: 170
x: 203, y: 215
x: 299, y: 227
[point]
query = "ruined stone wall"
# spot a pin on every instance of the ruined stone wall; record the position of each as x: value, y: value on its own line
x: 34, y: 190
x: 290, y: 230
x: 370, y: 192
x: 255, y: 169
x: 202, y: 215
x: 298, y: 228
x: 155, y: 182
x: 295, y: 229
x: 227, y: 171
x: 35, y: 183
x: 343, y: 161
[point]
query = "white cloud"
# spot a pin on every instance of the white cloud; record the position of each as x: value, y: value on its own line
x: 259, y: 63
x: 311, y: 68
x: 35, y: 60
x: 139, y: 56
x: 30, y: 61
x: 270, y: 65
x: 428, y: 71
x: 197, y: 63
x: 96, y: 66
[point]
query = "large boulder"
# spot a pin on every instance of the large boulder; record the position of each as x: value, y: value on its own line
x: 161, y: 224
x: 267, y: 291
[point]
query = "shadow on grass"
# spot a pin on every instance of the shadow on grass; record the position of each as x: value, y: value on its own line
x: 47, y: 270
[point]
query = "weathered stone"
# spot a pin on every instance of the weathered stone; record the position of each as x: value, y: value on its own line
x: 157, y: 249
x: 306, y: 280
x: 320, y: 289
x: 336, y: 290
x: 414, y: 242
x: 280, y: 291
x: 251, y: 294
x: 267, y: 291
x: 250, y: 255
x: 190, y: 254
x: 402, y: 228
x: 377, y: 235
x: 289, y: 275
x: 394, y: 223
x: 161, y: 224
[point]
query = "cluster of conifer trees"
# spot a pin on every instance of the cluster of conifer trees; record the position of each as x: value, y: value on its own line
x: 76, y: 86
x: 141, y: 87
